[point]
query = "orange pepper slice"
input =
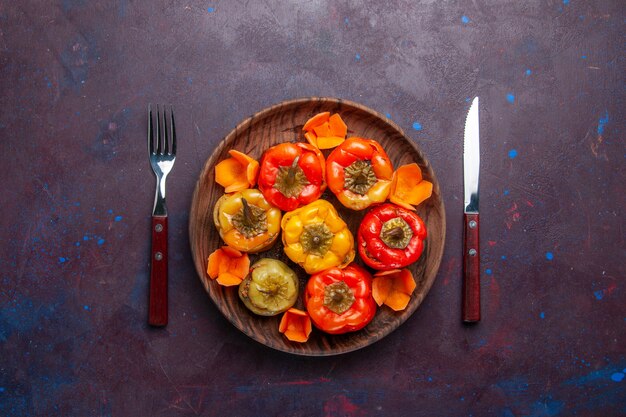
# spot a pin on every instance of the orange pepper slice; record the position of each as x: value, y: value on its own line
x: 325, y: 131
x: 337, y: 126
x: 295, y: 325
x: 237, y: 172
x: 408, y: 189
x: 229, y: 266
x: 393, y: 288
x: 316, y: 120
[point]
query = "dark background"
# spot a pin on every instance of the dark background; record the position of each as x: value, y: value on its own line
x: 77, y: 193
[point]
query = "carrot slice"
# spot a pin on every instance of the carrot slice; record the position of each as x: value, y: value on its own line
x: 240, y: 156
x: 316, y: 120
x: 323, y: 130
x: 228, y: 280
x: 236, y: 186
x: 214, y: 262
x: 381, y: 287
x: 295, y: 325
x: 311, y: 138
x: 393, y: 288
x: 236, y: 173
x: 337, y: 126
x: 408, y: 189
x: 228, y: 265
x: 328, y: 142
x: 231, y: 252
x: 422, y: 191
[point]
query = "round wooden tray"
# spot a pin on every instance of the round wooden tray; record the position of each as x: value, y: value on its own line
x: 283, y: 123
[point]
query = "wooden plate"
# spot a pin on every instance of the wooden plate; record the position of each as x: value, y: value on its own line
x: 283, y: 123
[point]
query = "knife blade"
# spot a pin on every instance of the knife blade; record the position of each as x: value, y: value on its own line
x: 471, y: 249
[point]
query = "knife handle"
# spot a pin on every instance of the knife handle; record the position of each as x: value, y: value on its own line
x: 471, y: 269
x: 157, y: 311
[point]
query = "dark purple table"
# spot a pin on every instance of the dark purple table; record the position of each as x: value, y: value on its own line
x: 77, y: 193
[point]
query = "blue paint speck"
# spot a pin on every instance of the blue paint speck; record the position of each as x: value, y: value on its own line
x: 357, y: 57
x: 86, y: 307
x: 210, y: 9
x: 346, y: 20
x: 617, y: 377
x: 488, y: 271
x: 468, y: 99
x: 465, y: 19
x: 599, y: 294
x: 430, y: 378
x: 583, y: 56
x: 189, y: 80
x: 77, y: 243
x: 542, y: 315
x: 503, y: 257
x: 100, y: 241
x: 1, y: 389
x: 513, y: 153
x: 549, y: 256
x: 506, y: 192
x: 602, y: 122
x: 566, y: 2
x: 118, y: 218
x: 388, y: 115
x: 110, y: 211
x: 62, y: 259
x: 528, y: 72
x: 417, y: 126
x: 85, y: 237
x: 510, y: 97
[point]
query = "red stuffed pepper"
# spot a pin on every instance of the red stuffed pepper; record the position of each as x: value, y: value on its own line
x: 391, y: 237
x: 340, y: 300
x: 292, y: 175
x: 359, y: 173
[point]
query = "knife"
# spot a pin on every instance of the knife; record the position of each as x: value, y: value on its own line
x: 471, y: 250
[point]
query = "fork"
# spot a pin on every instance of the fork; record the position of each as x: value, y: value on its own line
x: 162, y: 156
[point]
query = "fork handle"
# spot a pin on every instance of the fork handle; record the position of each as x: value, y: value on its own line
x: 157, y: 314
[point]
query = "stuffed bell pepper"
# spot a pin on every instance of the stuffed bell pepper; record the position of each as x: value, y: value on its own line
x: 292, y: 175
x: 316, y: 238
x: 359, y: 173
x: 391, y: 237
x: 340, y: 300
x: 246, y: 221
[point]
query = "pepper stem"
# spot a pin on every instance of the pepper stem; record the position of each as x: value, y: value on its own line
x: 248, y: 217
x: 396, y: 233
x: 291, y: 175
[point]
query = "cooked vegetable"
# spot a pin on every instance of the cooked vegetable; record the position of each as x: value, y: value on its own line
x: 391, y: 237
x: 292, y: 175
x: 295, y: 325
x: 408, y: 189
x: 316, y: 238
x: 340, y: 300
x: 228, y: 265
x: 393, y: 288
x: 359, y: 173
x: 325, y: 131
x: 246, y: 221
x: 270, y: 288
x: 236, y: 173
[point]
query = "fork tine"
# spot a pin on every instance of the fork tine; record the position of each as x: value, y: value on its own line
x: 166, y: 144
x: 159, y: 134
x: 173, y: 131
x: 150, y: 131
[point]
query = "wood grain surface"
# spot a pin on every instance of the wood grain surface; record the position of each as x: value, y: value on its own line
x: 283, y: 123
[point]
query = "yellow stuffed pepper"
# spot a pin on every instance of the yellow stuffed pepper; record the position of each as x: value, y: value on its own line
x: 316, y: 238
x: 246, y: 221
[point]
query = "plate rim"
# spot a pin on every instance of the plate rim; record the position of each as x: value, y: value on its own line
x: 244, y: 124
